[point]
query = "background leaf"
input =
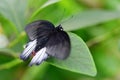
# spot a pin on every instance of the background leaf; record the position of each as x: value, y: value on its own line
x: 14, y: 11
x: 6, y: 25
x: 89, y: 18
x: 32, y: 73
x: 46, y: 4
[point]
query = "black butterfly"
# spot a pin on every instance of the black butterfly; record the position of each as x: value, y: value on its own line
x: 45, y: 40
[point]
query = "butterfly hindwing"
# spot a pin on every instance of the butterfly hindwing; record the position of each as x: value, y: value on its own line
x: 39, y: 28
x: 59, y: 45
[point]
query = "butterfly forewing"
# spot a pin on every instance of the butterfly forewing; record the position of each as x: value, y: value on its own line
x: 39, y: 28
x: 59, y: 45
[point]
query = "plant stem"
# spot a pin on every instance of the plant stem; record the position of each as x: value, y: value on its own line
x: 101, y: 38
x: 10, y: 64
x: 17, y: 40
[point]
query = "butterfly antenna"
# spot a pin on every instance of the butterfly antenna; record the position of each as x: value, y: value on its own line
x: 60, y: 20
x: 67, y: 19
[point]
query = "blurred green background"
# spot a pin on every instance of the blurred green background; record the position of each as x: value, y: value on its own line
x: 96, y: 22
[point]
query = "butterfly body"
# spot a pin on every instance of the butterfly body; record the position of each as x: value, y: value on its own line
x: 46, y: 40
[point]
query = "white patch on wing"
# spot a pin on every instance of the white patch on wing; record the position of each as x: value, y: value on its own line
x: 39, y: 56
x: 42, y: 58
x: 28, y: 50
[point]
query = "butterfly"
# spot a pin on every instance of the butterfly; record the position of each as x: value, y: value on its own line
x: 45, y: 40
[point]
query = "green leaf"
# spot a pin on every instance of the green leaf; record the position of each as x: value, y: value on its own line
x: 8, y: 52
x: 10, y: 64
x: 14, y: 11
x: 80, y: 60
x: 48, y: 3
x: 88, y: 18
x: 6, y: 26
x: 17, y: 44
x: 35, y: 72
x: 8, y: 60
x: 11, y: 72
x: 33, y: 7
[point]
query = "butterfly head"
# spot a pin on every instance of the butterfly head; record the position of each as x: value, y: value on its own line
x: 59, y: 28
